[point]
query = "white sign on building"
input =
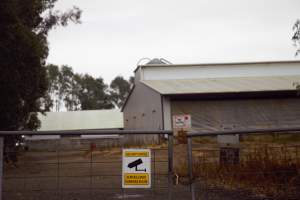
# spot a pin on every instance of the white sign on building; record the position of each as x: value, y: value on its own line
x: 182, y: 122
x: 136, y: 168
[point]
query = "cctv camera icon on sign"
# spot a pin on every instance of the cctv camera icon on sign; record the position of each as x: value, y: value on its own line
x: 135, y: 164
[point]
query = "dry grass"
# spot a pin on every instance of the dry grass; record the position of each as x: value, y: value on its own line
x: 266, y: 170
x: 272, y: 138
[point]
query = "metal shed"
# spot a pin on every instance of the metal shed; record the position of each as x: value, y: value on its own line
x: 218, y: 96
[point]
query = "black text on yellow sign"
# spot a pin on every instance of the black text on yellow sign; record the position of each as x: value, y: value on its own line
x: 136, y: 154
x: 136, y: 179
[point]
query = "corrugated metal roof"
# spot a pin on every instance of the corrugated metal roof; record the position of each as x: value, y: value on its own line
x: 223, y: 85
x: 78, y: 120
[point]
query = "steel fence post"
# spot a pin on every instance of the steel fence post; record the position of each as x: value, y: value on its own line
x: 170, y: 165
x: 153, y: 179
x: 190, y: 167
x: 91, y: 175
x: 1, y: 165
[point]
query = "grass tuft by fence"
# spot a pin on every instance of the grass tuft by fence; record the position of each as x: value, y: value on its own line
x: 266, y: 170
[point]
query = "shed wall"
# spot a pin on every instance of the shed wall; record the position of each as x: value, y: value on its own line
x: 216, y: 115
x: 143, y: 111
x: 167, y: 113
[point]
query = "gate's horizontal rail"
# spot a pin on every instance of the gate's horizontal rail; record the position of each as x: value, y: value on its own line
x: 77, y: 189
x: 69, y: 176
x: 241, y: 132
x: 86, y: 132
x: 84, y: 162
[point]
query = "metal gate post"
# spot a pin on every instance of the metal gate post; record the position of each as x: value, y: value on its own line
x: 190, y: 167
x: 1, y: 165
x: 170, y: 165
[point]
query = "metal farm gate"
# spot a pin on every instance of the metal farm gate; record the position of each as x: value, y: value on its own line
x: 264, y: 165
x: 72, y: 168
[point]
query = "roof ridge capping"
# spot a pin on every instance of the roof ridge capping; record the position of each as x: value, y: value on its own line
x: 220, y: 63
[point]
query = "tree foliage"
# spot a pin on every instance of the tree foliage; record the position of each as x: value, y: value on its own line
x: 61, y: 88
x: 296, y: 36
x: 73, y: 91
x: 24, y: 26
x: 92, y: 93
x: 119, y: 91
x: 296, y: 40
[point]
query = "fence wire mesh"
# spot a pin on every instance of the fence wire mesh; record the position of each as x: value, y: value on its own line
x: 259, y: 167
x: 77, y: 169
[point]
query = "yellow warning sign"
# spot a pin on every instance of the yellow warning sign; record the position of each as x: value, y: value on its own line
x: 136, y: 154
x: 136, y: 179
x: 136, y: 168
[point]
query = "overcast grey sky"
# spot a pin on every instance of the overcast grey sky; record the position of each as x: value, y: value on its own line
x: 115, y: 34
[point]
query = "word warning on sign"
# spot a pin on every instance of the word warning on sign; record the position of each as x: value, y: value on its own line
x: 136, y: 169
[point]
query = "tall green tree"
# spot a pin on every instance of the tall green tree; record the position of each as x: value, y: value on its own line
x: 296, y: 36
x: 296, y: 40
x: 119, y: 90
x: 51, y: 98
x: 24, y: 26
x: 71, y: 88
x: 62, y: 88
x: 73, y: 91
x: 92, y: 93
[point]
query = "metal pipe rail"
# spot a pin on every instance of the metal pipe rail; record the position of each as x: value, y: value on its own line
x: 190, y: 135
x: 87, y: 132
x: 243, y: 132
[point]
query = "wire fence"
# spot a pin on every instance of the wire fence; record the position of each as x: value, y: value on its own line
x: 89, y: 171
x: 264, y: 165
